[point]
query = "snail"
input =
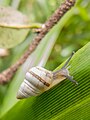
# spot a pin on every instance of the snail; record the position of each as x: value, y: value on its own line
x: 39, y: 80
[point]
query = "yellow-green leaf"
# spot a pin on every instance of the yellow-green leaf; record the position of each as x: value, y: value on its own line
x: 14, y: 27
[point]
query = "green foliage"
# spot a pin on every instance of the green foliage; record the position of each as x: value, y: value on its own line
x: 13, y: 24
x: 65, y: 101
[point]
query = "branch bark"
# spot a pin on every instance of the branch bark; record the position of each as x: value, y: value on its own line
x: 6, y: 75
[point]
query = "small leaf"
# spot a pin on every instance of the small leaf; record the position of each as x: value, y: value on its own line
x: 14, y: 27
x: 11, y: 37
x: 10, y: 17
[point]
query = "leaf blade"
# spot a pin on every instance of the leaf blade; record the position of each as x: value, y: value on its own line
x: 14, y: 27
x: 64, y: 96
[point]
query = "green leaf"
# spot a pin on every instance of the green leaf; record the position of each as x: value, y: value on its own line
x: 9, y: 37
x: 14, y: 27
x: 64, y: 101
x: 10, y: 17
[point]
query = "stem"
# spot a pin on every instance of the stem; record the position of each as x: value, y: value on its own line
x: 29, y: 26
x: 6, y: 75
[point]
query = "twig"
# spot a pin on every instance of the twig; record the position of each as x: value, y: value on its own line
x: 6, y: 75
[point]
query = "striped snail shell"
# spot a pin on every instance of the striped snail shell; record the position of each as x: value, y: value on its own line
x: 39, y: 80
x: 36, y: 81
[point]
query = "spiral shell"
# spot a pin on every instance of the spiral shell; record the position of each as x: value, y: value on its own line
x: 37, y: 80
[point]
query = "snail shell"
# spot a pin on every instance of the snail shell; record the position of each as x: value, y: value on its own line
x: 36, y: 81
